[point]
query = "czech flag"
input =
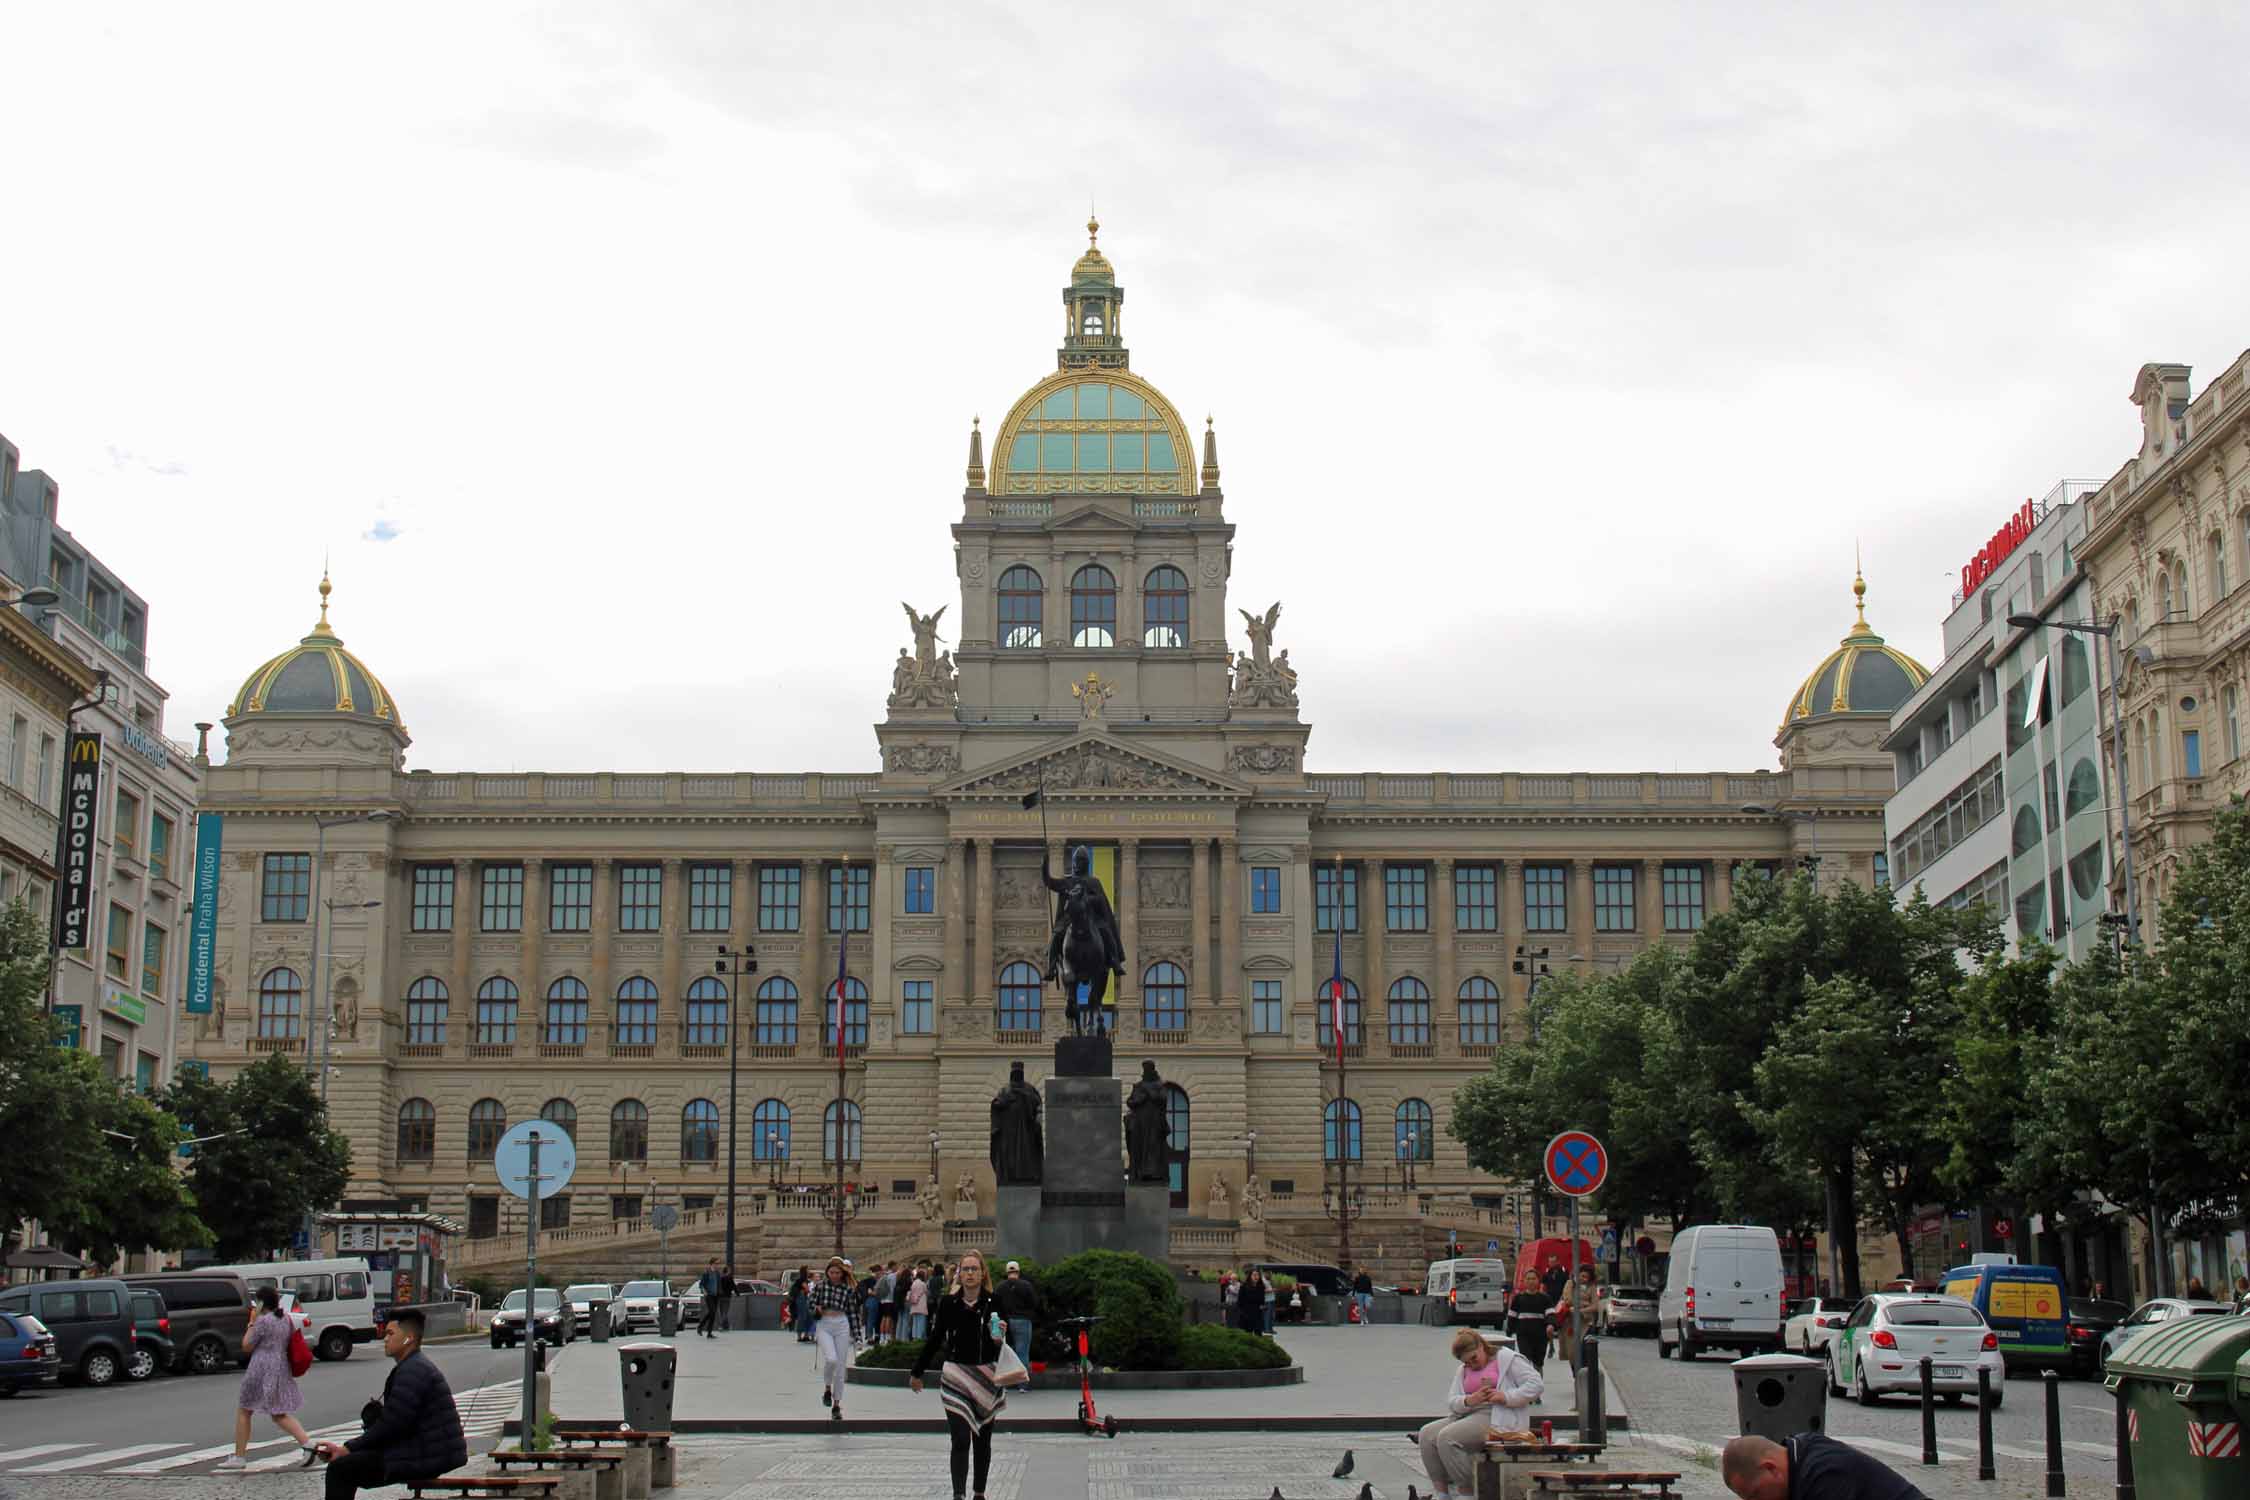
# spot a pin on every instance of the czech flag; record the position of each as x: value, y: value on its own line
x: 1336, y: 992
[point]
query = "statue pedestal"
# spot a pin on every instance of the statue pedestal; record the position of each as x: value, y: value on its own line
x: 1085, y: 1203
x: 1083, y: 1057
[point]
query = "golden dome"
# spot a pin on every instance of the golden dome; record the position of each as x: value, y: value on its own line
x: 315, y: 676
x: 1861, y: 676
x: 1092, y: 268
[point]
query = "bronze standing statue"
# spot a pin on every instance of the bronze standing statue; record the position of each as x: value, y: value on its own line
x: 1085, y: 949
x: 1148, y: 1130
x: 1018, y: 1150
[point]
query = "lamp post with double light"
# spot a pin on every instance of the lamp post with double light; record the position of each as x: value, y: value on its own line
x: 1532, y: 964
x: 320, y: 958
x: 734, y: 963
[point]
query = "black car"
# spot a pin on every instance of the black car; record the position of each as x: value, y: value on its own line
x: 2090, y: 1318
x: 152, y: 1335
x: 210, y: 1312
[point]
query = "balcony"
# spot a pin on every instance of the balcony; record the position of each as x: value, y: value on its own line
x: 704, y: 1050
x: 492, y: 1049
x: 1008, y: 1038
x: 773, y: 1051
x: 1413, y: 1051
x: 276, y: 1044
x: 422, y: 1051
x: 562, y: 1049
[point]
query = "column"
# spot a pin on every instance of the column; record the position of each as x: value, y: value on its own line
x: 1722, y: 883
x: 1230, y: 926
x: 1129, y: 921
x: 1651, y: 896
x: 1372, y: 911
x: 984, y: 967
x: 601, y: 988
x: 1580, y: 918
x: 956, y: 987
x: 1441, y: 940
x: 671, y: 928
x: 467, y: 909
x: 534, y: 924
x: 1512, y: 920
x: 812, y: 922
x: 1204, y: 983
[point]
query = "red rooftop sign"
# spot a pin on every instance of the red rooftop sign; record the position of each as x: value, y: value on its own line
x: 1995, y: 552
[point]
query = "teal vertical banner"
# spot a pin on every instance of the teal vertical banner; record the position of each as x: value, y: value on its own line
x: 72, y: 1019
x: 203, y: 928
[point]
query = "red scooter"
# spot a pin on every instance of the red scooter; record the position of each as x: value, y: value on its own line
x: 1089, y: 1421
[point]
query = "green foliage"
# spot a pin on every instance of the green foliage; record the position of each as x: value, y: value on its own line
x: 1207, y: 1346
x: 282, y: 1161
x: 2204, y: 986
x: 1074, y: 1286
x: 543, y: 1433
x: 1134, y: 1333
x: 898, y: 1354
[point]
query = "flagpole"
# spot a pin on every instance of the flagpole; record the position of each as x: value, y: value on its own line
x: 843, y: 948
x: 1343, y: 1096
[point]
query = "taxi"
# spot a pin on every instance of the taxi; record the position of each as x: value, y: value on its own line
x: 1879, y: 1350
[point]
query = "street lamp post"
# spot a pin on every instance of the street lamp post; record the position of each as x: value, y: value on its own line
x: 933, y: 1158
x: 328, y: 1032
x: 1532, y: 964
x: 2108, y: 633
x: 1413, y: 1145
x: 734, y: 963
x: 320, y: 958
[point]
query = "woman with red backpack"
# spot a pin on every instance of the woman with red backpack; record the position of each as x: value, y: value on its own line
x: 278, y: 1355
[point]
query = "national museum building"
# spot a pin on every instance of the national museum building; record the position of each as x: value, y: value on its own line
x: 546, y: 944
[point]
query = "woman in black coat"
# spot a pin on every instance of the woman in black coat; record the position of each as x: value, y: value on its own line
x: 1250, y: 1303
x: 966, y: 1333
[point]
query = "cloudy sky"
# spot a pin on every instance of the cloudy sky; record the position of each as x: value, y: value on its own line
x: 622, y: 357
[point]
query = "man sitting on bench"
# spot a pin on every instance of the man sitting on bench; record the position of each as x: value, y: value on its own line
x: 1809, y: 1466
x: 415, y: 1434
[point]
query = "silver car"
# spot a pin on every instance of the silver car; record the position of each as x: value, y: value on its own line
x: 584, y: 1298
x: 635, y: 1307
x: 1627, y: 1309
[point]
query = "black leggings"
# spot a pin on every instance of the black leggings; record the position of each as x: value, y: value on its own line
x: 963, y: 1441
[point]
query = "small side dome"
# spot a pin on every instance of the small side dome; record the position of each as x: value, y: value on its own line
x: 1861, y: 676
x: 315, y: 676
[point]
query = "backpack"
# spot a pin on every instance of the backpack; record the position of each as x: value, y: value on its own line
x: 300, y: 1353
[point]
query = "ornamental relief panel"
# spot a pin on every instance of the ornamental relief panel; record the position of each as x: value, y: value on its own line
x: 1020, y: 932
x: 1016, y: 890
x: 1476, y: 947
x: 426, y: 947
x: 1265, y: 760
x: 637, y: 947
x: 917, y: 932
x: 493, y: 949
x: 1268, y: 932
x: 1215, y: 1024
x: 1163, y: 932
x: 1162, y: 888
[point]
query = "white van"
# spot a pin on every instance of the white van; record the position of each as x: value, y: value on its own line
x: 1723, y: 1290
x: 1476, y: 1289
x: 334, y: 1293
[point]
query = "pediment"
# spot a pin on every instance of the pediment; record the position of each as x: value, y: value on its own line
x: 1097, y: 764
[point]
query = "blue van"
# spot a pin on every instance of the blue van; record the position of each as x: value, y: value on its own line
x: 2025, y: 1306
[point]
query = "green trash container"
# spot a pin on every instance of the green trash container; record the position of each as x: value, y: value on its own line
x: 2180, y: 1382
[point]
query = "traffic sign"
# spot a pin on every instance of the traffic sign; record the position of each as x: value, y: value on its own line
x: 1644, y: 1246
x: 558, y: 1158
x: 2003, y: 1229
x: 1576, y: 1163
x: 1492, y: 1247
x: 665, y: 1217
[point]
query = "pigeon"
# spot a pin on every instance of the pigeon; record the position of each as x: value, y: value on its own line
x: 1367, y: 1490
x: 1277, y: 1495
x: 1344, y: 1469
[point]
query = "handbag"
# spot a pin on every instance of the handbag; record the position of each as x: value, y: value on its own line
x: 300, y: 1354
x: 1009, y: 1371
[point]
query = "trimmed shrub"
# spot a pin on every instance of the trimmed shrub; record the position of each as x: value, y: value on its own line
x: 898, y: 1354
x: 1134, y: 1333
x: 1207, y: 1346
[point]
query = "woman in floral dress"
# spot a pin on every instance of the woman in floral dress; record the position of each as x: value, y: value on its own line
x: 267, y: 1386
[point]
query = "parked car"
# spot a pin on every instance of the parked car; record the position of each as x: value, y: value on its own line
x: 91, y: 1319
x: 553, y: 1319
x: 1813, y: 1322
x: 635, y: 1306
x: 152, y: 1335
x: 1474, y: 1288
x: 2024, y: 1305
x: 691, y: 1305
x: 1879, y: 1349
x: 1722, y: 1289
x: 210, y: 1312
x: 2090, y: 1319
x: 335, y: 1294
x: 1626, y: 1309
x: 2155, y: 1310
x: 584, y: 1298
x: 28, y: 1357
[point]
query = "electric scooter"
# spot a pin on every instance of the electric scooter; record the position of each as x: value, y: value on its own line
x: 1089, y: 1421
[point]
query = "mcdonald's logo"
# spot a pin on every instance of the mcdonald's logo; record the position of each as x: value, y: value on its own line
x: 85, y: 747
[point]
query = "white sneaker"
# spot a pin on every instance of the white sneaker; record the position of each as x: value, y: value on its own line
x: 231, y: 1461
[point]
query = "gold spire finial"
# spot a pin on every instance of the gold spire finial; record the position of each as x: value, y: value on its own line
x: 1093, y: 229
x: 326, y: 588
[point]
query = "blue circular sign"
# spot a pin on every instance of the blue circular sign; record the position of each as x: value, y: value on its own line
x: 1576, y: 1163
x: 558, y: 1158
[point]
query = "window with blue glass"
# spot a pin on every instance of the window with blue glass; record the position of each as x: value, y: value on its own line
x: 1022, y: 600
x: 855, y: 1015
x: 640, y: 898
x: 1409, y: 1013
x: 1019, y: 998
x: 1266, y: 1010
x: 1164, y: 598
x: 921, y: 890
x: 917, y: 1007
x: 1093, y: 606
x: 1164, y: 998
x: 769, y: 1131
x: 1339, y: 1121
x: 1613, y: 898
x: 706, y: 1013
x: 777, y: 1013
x: 2191, y: 753
x: 635, y: 1024
x: 1476, y: 898
x: 570, y: 898
x: 1479, y: 1012
x: 1325, y: 1007
x: 1265, y: 890
x: 710, y: 898
x: 847, y: 898
x: 1406, y: 898
x: 1544, y: 906
x: 1335, y: 898
x: 780, y: 887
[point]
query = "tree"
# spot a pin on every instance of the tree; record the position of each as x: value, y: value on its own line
x: 276, y: 1159
x: 2204, y: 989
x: 125, y: 1192
x: 1999, y: 1151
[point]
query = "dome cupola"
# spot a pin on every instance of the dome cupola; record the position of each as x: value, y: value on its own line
x: 1861, y: 676
x: 315, y: 680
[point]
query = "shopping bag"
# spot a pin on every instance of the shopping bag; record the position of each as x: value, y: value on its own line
x: 1009, y: 1372
x: 300, y: 1353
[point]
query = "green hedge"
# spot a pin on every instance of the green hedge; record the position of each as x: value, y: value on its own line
x: 1207, y: 1346
x: 899, y: 1354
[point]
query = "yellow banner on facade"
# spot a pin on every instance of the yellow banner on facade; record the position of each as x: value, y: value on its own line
x: 1105, y: 871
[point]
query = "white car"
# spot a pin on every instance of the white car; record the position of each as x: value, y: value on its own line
x: 1626, y: 1309
x: 1813, y: 1324
x: 584, y: 1298
x: 635, y: 1306
x: 1880, y: 1348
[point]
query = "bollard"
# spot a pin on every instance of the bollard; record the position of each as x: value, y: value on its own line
x: 1593, y: 1410
x: 2054, y: 1432
x: 1929, y: 1416
x: 1985, y: 1469
x: 2123, y: 1441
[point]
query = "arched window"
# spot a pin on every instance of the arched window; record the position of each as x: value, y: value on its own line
x: 562, y: 1114
x: 2163, y: 595
x: 1176, y: 1123
x: 488, y: 1121
x: 628, y: 1131
x: 777, y: 1013
x: 496, y: 1013
x: 2230, y: 703
x: 2180, y: 591
x: 1325, y: 1008
x: 636, y: 1013
x: 707, y: 1013
x: 828, y: 1130
x: 1090, y: 321
x: 417, y: 1130
x: 1414, y: 1132
x: 2076, y: 678
x: 1022, y: 601
x: 1093, y: 606
x: 1164, y: 998
x: 2027, y: 830
x: 1339, y: 1130
x: 699, y: 1131
x: 281, y: 1005
x: 566, y: 1013
x: 855, y: 1016
x: 1019, y: 998
x: 426, y: 1005
x: 2086, y: 872
x: 1480, y: 1012
x: 2085, y: 788
x: 769, y: 1131
x: 1410, y: 1012
x: 1164, y: 609
x: 2217, y: 542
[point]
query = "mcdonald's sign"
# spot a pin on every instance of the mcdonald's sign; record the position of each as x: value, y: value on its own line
x: 74, y: 845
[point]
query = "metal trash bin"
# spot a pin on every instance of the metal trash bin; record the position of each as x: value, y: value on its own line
x: 667, y: 1317
x: 1780, y: 1395
x: 759, y: 1310
x: 598, y: 1323
x: 645, y: 1371
x: 2180, y: 1384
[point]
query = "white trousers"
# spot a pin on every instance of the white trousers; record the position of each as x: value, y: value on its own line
x: 833, y: 1333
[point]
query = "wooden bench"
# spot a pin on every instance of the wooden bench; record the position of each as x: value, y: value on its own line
x: 1610, y: 1482
x: 480, y: 1486
x: 1503, y: 1469
x: 587, y: 1474
x: 649, y: 1461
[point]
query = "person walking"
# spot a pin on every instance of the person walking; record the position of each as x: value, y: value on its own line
x: 708, y: 1284
x: 1018, y: 1301
x: 965, y: 1334
x: 918, y: 1305
x: 415, y: 1434
x: 800, y: 1305
x: 1363, y: 1296
x: 1251, y: 1303
x: 836, y: 1309
x: 729, y: 1288
x: 1484, y: 1381
x: 267, y: 1386
x: 879, y: 1309
x: 1528, y: 1311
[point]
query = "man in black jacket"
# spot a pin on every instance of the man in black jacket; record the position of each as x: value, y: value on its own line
x: 416, y: 1435
x: 1018, y: 1301
x: 1809, y: 1466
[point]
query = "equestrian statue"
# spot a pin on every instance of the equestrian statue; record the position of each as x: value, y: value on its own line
x: 1085, y: 949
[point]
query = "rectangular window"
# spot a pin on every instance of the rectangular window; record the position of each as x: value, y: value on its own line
x: 152, y: 960
x: 1544, y: 907
x: 1335, y: 898
x: 1613, y: 898
x: 640, y: 898
x: 120, y: 956
x: 160, y: 846
x: 1683, y: 898
x: 570, y: 898
x: 1265, y: 890
x: 503, y: 898
x: 285, y: 893
x: 1406, y: 898
x: 625, y: 1205
x: 2191, y: 754
x: 847, y: 898
x: 1476, y: 898
x: 433, y: 898
x: 779, y: 888
x: 921, y: 890
x: 425, y: 1020
x: 496, y: 1022
x: 144, y: 1073
x: 917, y: 1007
x: 710, y: 898
x: 19, y: 750
x: 1882, y: 871
x: 554, y: 1213
x: 125, y: 831
x: 1265, y: 1007
x: 46, y: 768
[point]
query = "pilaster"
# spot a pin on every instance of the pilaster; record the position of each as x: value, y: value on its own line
x: 812, y: 924
x: 956, y: 987
x: 1202, y: 983
x: 1229, y: 988
x: 986, y: 967
x: 1129, y: 922
x: 600, y: 981
x: 1651, y: 899
x: 468, y: 914
x: 671, y: 931
x: 1512, y: 919
x: 1580, y: 918
x: 1441, y: 941
x: 530, y: 981
x: 1373, y: 915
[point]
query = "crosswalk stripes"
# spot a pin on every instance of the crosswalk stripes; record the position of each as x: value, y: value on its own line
x: 10, y: 1455
x: 90, y: 1460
